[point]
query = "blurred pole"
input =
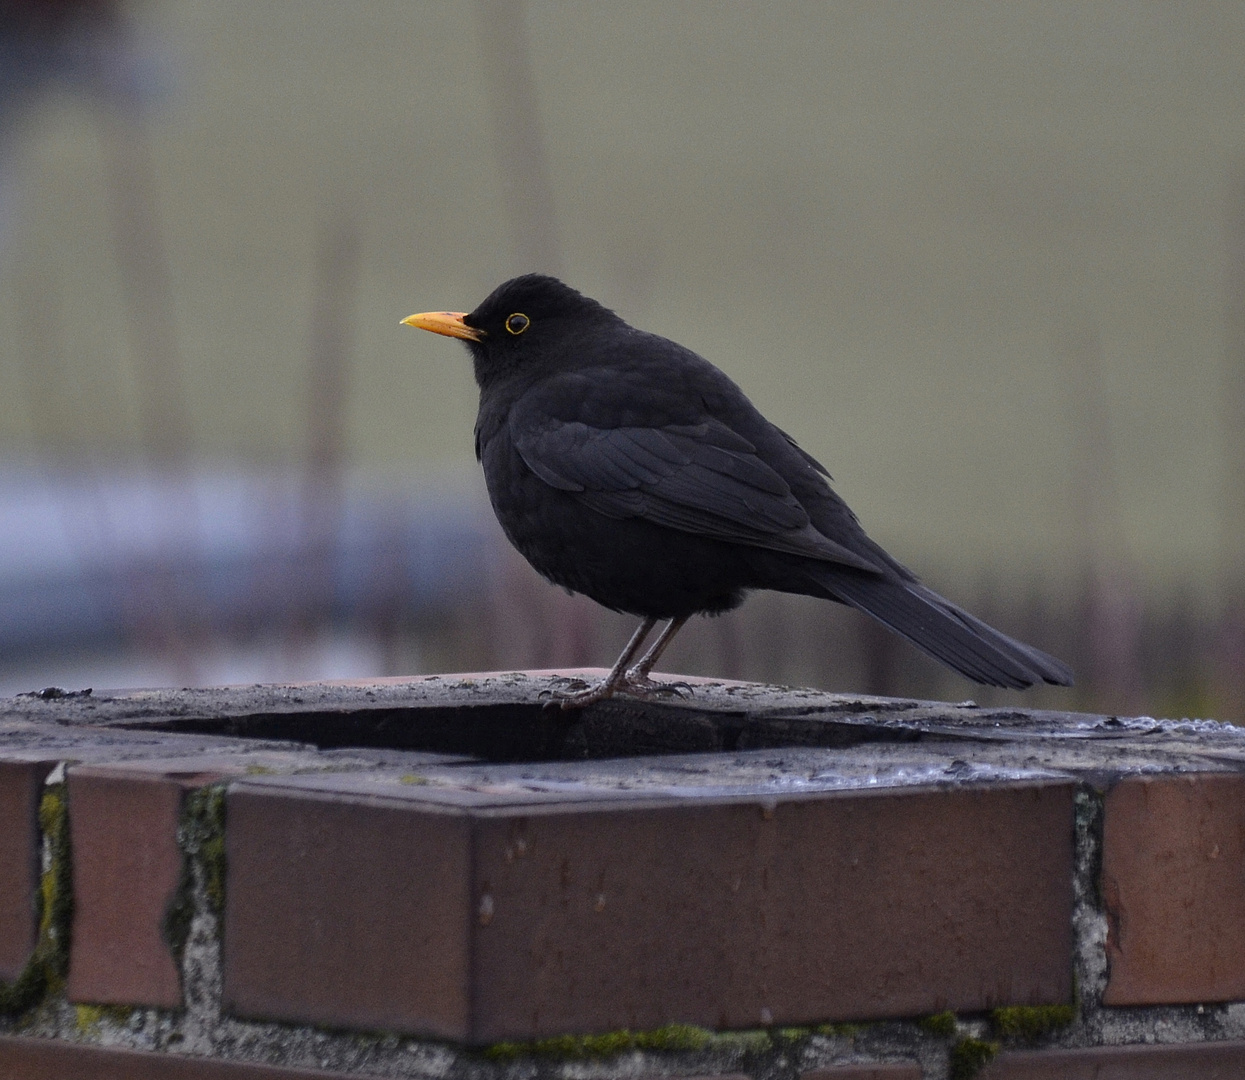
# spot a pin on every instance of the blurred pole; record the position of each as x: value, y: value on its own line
x: 568, y: 630
x: 1230, y: 691
x: 55, y: 430
x: 882, y: 659
x: 328, y: 365
x: 573, y: 622
x: 164, y: 417
x: 56, y: 409
x: 522, y: 161
x: 731, y: 644
x: 1111, y: 605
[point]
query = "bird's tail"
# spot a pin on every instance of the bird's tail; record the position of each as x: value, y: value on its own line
x: 948, y: 633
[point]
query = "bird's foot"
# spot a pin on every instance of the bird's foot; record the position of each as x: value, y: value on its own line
x: 638, y: 684
x: 633, y: 684
x: 581, y: 698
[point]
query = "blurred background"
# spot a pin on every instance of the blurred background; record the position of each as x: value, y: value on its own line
x: 986, y: 261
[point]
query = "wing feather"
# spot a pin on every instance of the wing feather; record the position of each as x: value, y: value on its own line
x: 698, y: 478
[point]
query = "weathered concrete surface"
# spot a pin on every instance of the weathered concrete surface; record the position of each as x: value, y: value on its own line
x: 510, y: 716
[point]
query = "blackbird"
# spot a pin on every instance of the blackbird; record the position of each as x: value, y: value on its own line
x: 626, y: 467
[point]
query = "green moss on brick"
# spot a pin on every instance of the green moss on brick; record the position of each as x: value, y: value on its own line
x: 504, y: 1051
x: 838, y: 1031
x: 940, y: 1024
x: 968, y: 1057
x: 562, y: 1046
x: 745, y: 1042
x: 201, y: 838
x: 45, y: 973
x: 1030, y: 1022
x: 55, y: 886
x: 207, y: 808
x: 674, y: 1037
x: 87, y: 1018
x: 671, y: 1038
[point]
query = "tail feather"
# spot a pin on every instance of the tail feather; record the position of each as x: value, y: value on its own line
x: 948, y: 633
x: 1049, y: 668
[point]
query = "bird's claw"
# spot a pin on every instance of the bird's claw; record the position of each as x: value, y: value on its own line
x: 579, y: 699
x: 632, y: 684
x: 642, y: 686
x: 573, y: 686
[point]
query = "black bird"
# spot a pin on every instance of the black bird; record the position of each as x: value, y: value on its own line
x: 627, y: 468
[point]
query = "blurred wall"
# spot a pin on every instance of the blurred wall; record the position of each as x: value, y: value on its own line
x: 973, y: 256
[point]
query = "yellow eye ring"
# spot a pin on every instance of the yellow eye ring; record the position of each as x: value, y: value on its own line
x: 517, y: 323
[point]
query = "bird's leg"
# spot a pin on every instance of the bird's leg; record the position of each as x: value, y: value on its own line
x: 618, y: 673
x: 637, y: 679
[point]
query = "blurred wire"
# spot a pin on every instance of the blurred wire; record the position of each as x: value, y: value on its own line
x: 1111, y: 619
x: 1231, y: 646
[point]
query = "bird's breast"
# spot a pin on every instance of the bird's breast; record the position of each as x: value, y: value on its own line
x: 627, y: 564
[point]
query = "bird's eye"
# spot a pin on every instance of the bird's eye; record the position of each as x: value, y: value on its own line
x: 518, y: 322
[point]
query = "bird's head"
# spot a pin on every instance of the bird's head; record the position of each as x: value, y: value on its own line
x: 533, y: 319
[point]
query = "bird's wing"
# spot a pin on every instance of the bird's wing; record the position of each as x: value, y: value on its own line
x: 698, y: 477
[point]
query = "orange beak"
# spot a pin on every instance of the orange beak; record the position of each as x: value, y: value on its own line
x: 449, y: 323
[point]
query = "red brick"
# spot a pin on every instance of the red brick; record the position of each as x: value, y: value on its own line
x: 904, y: 1071
x: 1173, y: 849
x: 338, y: 908
x: 21, y: 785
x: 496, y: 914
x: 126, y: 869
x: 45, y: 1059
x: 1197, y: 1061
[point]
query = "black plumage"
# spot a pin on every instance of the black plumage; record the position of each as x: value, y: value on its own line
x: 625, y: 467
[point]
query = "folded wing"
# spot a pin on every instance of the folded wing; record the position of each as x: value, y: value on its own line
x: 700, y: 478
